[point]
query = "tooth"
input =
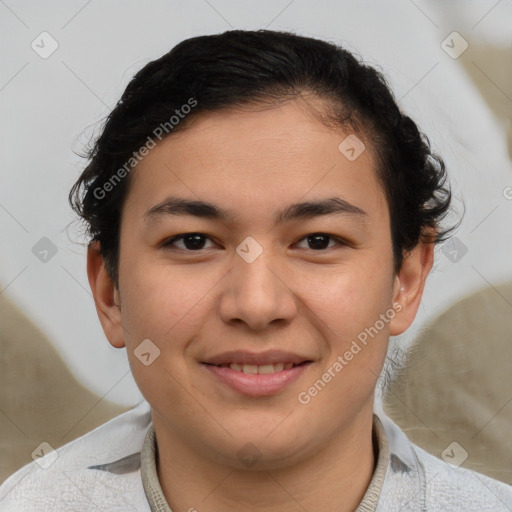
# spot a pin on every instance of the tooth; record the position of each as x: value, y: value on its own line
x: 263, y: 369
x: 266, y: 368
x: 250, y: 368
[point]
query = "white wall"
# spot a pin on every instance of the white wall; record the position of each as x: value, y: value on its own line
x: 49, y: 107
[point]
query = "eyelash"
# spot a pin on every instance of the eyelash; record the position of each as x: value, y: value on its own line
x: 168, y: 243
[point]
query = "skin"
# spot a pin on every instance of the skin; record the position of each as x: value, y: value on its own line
x: 194, y: 305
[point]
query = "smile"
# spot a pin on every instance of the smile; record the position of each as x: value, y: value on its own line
x: 256, y: 380
x: 261, y: 369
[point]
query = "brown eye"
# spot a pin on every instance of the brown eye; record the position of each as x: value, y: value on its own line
x: 191, y: 241
x: 320, y: 241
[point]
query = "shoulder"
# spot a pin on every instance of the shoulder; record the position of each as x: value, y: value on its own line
x: 418, y: 480
x: 451, y: 487
x: 99, y: 469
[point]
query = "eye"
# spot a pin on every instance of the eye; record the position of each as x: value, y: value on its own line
x: 320, y: 241
x: 195, y: 242
x: 191, y: 241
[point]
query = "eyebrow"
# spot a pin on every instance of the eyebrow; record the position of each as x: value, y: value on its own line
x: 309, y: 209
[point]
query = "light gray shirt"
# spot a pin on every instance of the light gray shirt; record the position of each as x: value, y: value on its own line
x: 113, y: 468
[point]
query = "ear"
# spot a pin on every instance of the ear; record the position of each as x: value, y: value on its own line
x: 409, y: 284
x: 106, y: 296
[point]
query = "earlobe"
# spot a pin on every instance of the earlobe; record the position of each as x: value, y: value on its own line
x: 409, y: 284
x: 106, y: 296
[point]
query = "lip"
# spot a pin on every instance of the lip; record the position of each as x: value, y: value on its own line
x: 267, y: 357
x: 257, y: 384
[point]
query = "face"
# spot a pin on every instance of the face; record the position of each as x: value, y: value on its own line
x: 271, y: 322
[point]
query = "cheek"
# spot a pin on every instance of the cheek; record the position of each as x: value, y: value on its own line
x: 356, y: 342
x: 350, y: 297
x: 163, y: 306
x: 163, y: 301
x: 352, y: 308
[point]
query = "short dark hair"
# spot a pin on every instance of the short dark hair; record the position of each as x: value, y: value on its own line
x: 239, y: 67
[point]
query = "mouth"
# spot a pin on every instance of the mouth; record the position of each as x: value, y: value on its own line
x: 267, y: 358
x: 253, y: 374
x: 259, y: 369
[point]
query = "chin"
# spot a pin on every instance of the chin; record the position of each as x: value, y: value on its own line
x: 269, y: 446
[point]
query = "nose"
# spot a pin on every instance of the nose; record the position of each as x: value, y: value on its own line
x: 257, y: 294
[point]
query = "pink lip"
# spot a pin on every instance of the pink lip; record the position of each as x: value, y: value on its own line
x: 267, y: 357
x: 256, y: 384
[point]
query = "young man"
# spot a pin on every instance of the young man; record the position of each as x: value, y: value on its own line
x: 257, y: 204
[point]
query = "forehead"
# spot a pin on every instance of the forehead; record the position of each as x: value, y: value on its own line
x: 255, y: 160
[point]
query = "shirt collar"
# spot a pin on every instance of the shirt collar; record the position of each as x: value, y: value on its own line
x: 158, y: 503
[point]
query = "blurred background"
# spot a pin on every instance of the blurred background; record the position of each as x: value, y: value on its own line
x: 63, y: 70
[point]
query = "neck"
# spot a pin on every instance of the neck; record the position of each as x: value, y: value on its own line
x: 335, y: 478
